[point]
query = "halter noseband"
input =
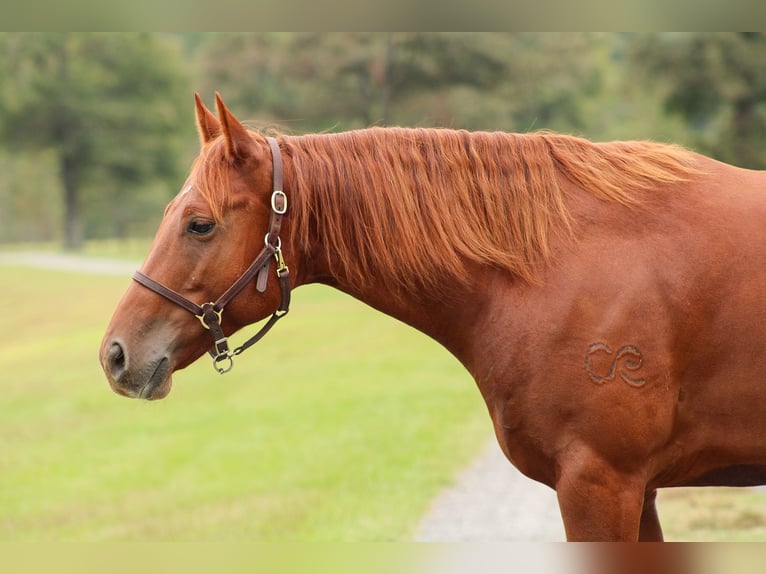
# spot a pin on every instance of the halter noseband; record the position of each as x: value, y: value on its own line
x: 210, y: 314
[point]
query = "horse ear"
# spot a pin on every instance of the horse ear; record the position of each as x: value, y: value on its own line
x: 238, y: 141
x: 207, y: 124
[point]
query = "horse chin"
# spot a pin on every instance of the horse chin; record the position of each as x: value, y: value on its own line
x: 159, y: 384
x: 150, y: 383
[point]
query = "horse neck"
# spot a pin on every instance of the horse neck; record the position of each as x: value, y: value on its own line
x: 431, y: 313
x: 451, y: 319
x: 435, y: 313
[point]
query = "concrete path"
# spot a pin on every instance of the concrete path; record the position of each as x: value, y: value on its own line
x: 69, y: 262
x: 490, y: 502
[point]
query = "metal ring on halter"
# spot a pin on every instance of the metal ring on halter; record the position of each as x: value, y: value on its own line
x: 221, y: 358
x: 277, y: 247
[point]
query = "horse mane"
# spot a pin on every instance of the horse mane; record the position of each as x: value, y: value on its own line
x: 411, y: 208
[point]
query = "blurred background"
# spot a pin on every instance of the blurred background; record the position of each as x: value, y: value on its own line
x: 97, y: 131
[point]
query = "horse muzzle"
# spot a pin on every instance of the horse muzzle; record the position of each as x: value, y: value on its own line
x: 150, y: 380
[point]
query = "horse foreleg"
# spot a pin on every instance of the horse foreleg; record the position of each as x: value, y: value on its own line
x: 597, y: 502
x: 650, y: 529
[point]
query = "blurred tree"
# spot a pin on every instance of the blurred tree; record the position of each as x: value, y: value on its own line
x: 251, y: 71
x: 28, y: 193
x: 344, y: 81
x: 515, y: 82
x: 107, y: 104
x: 717, y: 82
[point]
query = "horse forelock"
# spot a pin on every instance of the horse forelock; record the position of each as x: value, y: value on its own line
x: 210, y: 176
x: 410, y: 208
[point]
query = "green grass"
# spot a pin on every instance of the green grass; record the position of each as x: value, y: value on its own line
x: 341, y: 425
x: 713, y: 514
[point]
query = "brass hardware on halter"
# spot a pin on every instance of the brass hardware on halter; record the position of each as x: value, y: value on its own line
x: 201, y: 317
x: 281, y: 267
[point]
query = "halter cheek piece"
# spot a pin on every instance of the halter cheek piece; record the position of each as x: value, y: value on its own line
x: 211, y: 314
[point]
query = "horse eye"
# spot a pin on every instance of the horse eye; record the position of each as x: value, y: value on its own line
x: 201, y: 227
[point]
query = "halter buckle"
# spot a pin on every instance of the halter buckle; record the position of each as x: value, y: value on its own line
x: 277, y: 195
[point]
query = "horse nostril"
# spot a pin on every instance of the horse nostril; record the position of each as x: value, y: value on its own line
x: 116, y: 359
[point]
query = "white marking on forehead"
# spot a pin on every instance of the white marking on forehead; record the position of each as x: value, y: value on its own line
x: 186, y: 189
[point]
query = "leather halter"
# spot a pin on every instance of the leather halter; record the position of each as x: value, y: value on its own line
x: 211, y: 314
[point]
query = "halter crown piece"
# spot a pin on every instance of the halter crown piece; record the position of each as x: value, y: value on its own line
x: 211, y: 314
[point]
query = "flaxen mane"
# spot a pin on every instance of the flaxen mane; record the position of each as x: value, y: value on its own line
x: 408, y: 208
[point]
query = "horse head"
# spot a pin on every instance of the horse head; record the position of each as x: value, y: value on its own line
x: 217, y: 235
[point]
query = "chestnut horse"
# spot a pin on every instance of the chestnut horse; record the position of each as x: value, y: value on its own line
x: 608, y: 299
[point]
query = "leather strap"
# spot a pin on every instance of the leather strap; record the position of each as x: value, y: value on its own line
x: 278, y: 208
x: 168, y: 293
x: 284, y: 308
x: 261, y: 260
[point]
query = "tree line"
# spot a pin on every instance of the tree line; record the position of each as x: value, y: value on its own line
x: 97, y: 130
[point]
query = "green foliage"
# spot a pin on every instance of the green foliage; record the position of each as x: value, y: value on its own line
x: 344, y: 81
x: 30, y: 203
x: 106, y: 104
x: 717, y: 83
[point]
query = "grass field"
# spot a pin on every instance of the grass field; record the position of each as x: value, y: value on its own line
x: 713, y: 514
x: 341, y: 425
